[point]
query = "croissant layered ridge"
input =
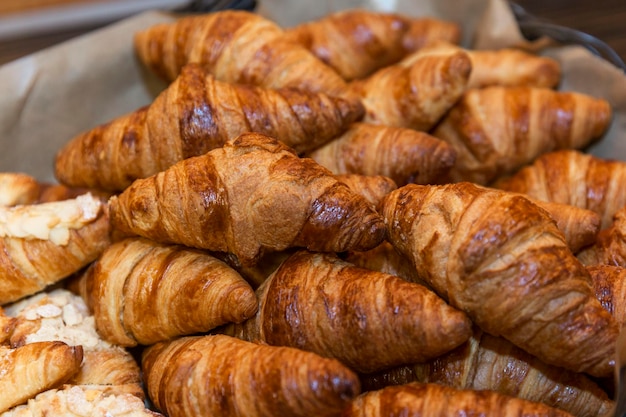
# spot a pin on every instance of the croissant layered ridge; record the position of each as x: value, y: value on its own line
x: 253, y: 196
x: 192, y: 116
x: 416, y: 96
x: 502, y: 260
x: 218, y: 375
x: 404, y: 155
x: 235, y: 46
x: 523, y: 124
x: 41, y: 244
x: 34, y: 368
x: 195, y: 292
x: 572, y: 177
x: 367, y: 320
x: 505, y: 67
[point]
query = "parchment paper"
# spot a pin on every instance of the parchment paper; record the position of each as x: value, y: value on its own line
x: 48, y: 97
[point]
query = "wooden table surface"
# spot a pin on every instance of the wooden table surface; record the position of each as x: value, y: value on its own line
x: 605, y: 19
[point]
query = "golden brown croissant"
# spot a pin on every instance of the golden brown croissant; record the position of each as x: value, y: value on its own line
x: 252, y: 196
x: 142, y: 292
x: 17, y: 188
x: 434, y: 400
x: 373, y: 188
x: 505, y: 67
x: 575, y: 178
x: 354, y: 42
x: 366, y: 319
x: 193, y: 115
x: 502, y: 260
x: 610, y: 245
x: 414, y: 97
x: 523, y: 124
x: 82, y: 401
x: 34, y: 368
x: 59, y: 315
x: 404, y: 155
x: 41, y: 244
x: 237, y: 47
x: 579, y: 226
x: 492, y: 363
x: 218, y: 375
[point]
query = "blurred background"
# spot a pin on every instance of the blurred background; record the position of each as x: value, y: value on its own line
x: 30, y: 25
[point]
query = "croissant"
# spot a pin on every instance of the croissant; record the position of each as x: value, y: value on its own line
x: 193, y: 115
x: 218, y: 375
x: 250, y: 197
x: 414, y: 97
x: 34, y: 368
x: 354, y: 42
x: 142, y: 292
x: 609, y: 284
x: 41, y: 244
x: 82, y: 401
x: 575, y: 178
x: 523, y: 124
x: 492, y: 363
x: 59, y: 315
x: 502, y: 260
x: 404, y: 155
x: 610, y: 245
x: 505, y: 67
x: 436, y: 400
x: 235, y: 46
x: 373, y: 188
x: 367, y: 320
x: 17, y: 188
x: 580, y: 227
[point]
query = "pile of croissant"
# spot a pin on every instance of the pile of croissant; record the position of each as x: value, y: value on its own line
x: 354, y: 216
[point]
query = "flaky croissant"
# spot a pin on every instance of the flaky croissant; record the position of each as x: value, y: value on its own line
x: 194, y: 115
x: 414, y: 97
x: 580, y: 227
x: 575, y: 178
x: 505, y: 67
x: 60, y: 315
x: 492, y: 363
x: 41, y: 244
x: 502, y: 260
x: 354, y: 42
x: 142, y: 292
x: 610, y: 245
x: 235, y: 46
x: 436, y: 400
x: 404, y: 155
x: 523, y: 124
x: 252, y: 196
x: 366, y: 319
x: 34, y: 368
x: 218, y: 375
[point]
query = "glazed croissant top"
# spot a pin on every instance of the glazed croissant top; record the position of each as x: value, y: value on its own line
x: 252, y: 196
